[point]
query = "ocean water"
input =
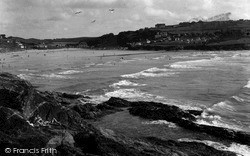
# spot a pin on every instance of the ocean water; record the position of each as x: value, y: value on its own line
x: 217, y: 82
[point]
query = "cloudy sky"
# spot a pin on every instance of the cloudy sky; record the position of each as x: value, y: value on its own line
x: 57, y: 18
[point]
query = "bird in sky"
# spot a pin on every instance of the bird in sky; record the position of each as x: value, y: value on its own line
x: 93, y: 21
x: 78, y: 12
x: 112, y: 10
x: 75, y: 12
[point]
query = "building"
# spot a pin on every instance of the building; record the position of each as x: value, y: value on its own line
x: 2, y: 36
x: 160, y: 25
x: 41, y: 46
x: 20, y: 45
x: 83, y: 45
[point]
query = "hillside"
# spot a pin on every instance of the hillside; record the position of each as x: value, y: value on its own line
x: 195, y: 35
x: 201, y: 35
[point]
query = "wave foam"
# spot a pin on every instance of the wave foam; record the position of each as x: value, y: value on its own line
x: 160, y: 57
x: 69, y: 72
x: 97, y: 99
x: 180, y: 66
x: 238, y: 99
x: 160, y: 122
x: 125, y: 83
x: 151, y: 72
x: 52, y: 75
x: 248, y: 85
x: 240, y: 150
x: 24, y: 76
x: 223, y: 105
x: 194, y: 64
x: 218, y: 123
x: 183, y: 104
x: 127, y: 61
x: 205, y: 115
x: 208, y: 117
x: 90, y: 64
x: 133, y: 94
x: 27, y: 70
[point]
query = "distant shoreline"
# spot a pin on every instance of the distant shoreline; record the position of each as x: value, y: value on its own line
x: 140, y: 50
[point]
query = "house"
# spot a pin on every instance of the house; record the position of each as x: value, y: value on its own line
x: 160, y: 25
x: 157, y: 36
x: 2, y: 36
x: 83, y: 45
x: 41, y: 46
x: 20, y: 45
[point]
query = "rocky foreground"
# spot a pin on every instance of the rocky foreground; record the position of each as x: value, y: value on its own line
x: 33, y: 119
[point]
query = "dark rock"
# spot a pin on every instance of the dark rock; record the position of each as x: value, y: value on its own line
x: 117, y: 102
x: 195, y: 112
x: 157, y: 111
x: 64, y: 98
x: 87, y: 111
x: 220, y: 132
x: 72, y: 96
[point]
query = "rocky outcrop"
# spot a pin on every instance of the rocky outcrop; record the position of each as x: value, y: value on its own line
x: 185, y: 119
x: 33, y: 119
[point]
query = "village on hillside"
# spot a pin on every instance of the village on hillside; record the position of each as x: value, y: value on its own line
x: 215, y: 33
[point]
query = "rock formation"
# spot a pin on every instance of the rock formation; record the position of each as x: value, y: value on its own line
x: 33, y: 119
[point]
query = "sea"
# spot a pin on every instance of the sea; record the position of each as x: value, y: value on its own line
x: 217, y: 82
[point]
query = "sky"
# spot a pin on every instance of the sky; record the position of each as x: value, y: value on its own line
x: 57, y: 18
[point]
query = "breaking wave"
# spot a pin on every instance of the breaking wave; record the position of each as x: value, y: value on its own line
x: 125, y: 83
x: 209, y: 118
x: 248, y: 85
x: 159, y: 58
x: 69, y: 72
x: 238, y: 99
x: 217, y: 122
x: 151, y: 72
x: 182, y: 66
x: 133, y: 94
x: 224, y: 105
x: 90, y: 64
x: 27, y: 70
x: 52, y: 75
x: 160, y: 122
x: 193, y: 64
x: 24, y: 76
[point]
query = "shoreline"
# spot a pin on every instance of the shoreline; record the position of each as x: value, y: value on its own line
x: 140, y: 50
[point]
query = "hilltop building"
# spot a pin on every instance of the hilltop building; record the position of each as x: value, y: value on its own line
x: 160, y: 25
x: 2, y: 36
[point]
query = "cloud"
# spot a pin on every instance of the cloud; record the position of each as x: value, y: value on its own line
x: 90, y: 4
x: 159, y: 12
x: 136, y: 17
x: 208, y: 4
x: 55, y: 18
x: 148, y: 3
x: 39, y: 18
